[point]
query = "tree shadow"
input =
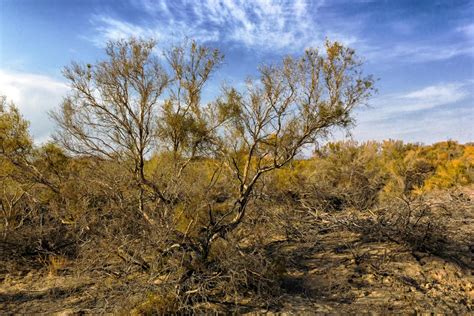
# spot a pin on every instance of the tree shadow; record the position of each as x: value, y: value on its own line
x: 31, y: 301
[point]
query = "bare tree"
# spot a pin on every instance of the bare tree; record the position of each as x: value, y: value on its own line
x: 288, y: 108
x: 112, y: 110
x: 121, y: 107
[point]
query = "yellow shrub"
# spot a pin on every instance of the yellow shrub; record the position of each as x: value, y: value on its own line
x: 453, y: 172
x: 56, y: 263
x: 157, y: 304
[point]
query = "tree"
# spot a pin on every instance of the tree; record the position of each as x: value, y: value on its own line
x: 15, y: 141
x: 116, y: 109
x: 183, y: 125
x: 20, y: 170
x: 112, y: 110
x: 16, y: 145
x: 289, y: 107
x: 120, y: 108
x: 114, y: 113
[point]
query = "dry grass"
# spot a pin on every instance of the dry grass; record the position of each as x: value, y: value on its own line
x: 343, y: 262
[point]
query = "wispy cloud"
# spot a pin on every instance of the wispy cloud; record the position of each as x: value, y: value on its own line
x: 113, y: 29
x: 436, y: 95
x: 404, y: 42
x: 429, y: 114
x: 391, y: 105
x: 260, y: 24
x: 280, y: 26
x: 35, y: 95
x: 410, y: 52
x: 467, y: 30
x: 428, y: 127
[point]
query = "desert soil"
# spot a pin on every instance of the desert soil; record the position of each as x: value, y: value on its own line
x: 341, y: 271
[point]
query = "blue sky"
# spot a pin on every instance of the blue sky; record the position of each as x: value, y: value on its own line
x: 421, y: 51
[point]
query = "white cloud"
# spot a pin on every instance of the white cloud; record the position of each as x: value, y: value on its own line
x: 416, y: 52
x: 430, y: 114
x: 423, y: 48
x: 262, y: 24
x: 109, y: 28
x: 435, y: 95
x: 34, y: 95
x: 467, y: 30
x: 387, y: 106
x: 112, y: 29
x: 274, y: 25
x: 428, y: 128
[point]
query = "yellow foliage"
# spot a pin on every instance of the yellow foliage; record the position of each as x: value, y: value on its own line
x: 157, y: 304
x: 453, y: 172
x: 56, y: 263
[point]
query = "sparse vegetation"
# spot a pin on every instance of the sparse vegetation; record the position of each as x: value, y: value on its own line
x: 149, y: 201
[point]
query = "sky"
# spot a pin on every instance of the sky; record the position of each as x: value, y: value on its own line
x: 421, y: 52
